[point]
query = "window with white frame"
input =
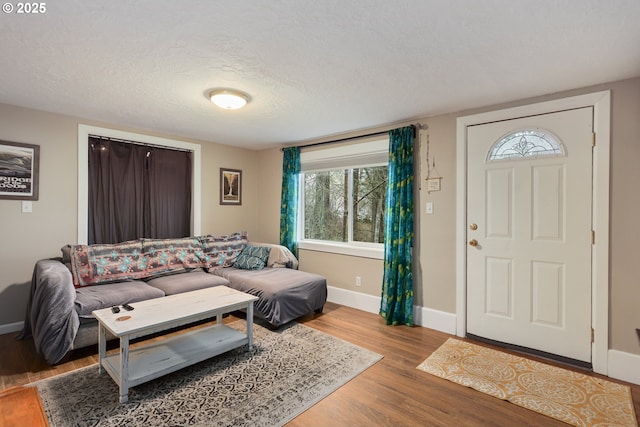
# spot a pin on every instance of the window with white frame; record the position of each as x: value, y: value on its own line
x: 343, y: 195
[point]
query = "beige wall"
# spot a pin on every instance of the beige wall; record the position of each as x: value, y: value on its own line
x: 436, y: 232
x: 435, y: 270
x: 28, y: 237
x: 341, y: 270
x: 624, y: 300
x: 224, y: 219
x: 25, y: 238
x: 268, y: 212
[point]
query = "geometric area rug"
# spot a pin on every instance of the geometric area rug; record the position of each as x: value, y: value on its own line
x: 287, y: 371
x: 568, y: 396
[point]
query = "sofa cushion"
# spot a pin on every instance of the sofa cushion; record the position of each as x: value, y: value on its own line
x: 283, y: 293
x: 253, y: 257
x: 222, y: 251
x: 185, y: 282
x: 92, y: 298
x: 105, y: 263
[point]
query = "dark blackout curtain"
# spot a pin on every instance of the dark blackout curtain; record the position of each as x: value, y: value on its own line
x: 137, y: 191
x: 168, y: 201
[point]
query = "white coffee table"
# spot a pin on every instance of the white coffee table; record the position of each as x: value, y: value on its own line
x: 155, y: 359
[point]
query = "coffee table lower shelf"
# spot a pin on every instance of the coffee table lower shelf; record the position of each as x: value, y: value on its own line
x: 150, y: 361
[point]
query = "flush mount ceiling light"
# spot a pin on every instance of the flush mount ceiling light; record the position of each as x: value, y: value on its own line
x: 228, y: 99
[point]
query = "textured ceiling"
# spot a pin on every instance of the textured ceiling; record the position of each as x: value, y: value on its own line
x: 313, y: 68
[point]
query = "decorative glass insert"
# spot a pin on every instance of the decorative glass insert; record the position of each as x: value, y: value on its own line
x: 526, y: 143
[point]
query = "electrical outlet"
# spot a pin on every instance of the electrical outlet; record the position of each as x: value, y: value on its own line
x: 358, y: 281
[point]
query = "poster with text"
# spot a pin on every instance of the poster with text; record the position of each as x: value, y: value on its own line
x: 19, y: 170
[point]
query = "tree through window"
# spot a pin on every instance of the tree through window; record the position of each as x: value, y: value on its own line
x: 345, y: 205
x: 343, y: 196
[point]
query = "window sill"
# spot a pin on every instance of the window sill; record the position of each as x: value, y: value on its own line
x: 343, y: 249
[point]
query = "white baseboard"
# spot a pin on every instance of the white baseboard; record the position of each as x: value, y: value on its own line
x: 356, y: 300
x: 624, y: 366
x: 426, y: 317
x: 11, y: 327
x: 435, y: 319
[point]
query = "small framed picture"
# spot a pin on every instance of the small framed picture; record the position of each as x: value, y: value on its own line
x: 19, y: 167
x: 230, y: 186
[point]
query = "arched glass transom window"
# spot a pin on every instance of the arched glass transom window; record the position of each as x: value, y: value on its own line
x: 526, y: 143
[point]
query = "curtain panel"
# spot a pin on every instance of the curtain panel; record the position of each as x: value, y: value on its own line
x: 137, y: 191
x: 397, y: 288
x: 168, y: 198
x: 289, y: 198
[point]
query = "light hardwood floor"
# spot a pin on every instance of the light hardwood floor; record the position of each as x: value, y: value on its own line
x: 390, y: 393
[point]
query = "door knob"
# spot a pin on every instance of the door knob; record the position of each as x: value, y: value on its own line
x: 473, y: 226
x: 473, y: 242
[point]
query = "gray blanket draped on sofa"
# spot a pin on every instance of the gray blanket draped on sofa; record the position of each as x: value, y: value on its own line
x: 51, y: 318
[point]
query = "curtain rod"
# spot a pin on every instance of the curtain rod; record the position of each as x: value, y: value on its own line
x: 145, y: 144
x: 334, y: 141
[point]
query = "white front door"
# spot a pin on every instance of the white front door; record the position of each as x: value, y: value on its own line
x: 529, y: 229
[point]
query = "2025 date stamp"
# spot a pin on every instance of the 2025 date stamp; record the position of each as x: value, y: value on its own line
x: 24, y: 8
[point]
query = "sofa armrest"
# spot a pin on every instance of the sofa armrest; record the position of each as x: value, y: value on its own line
x: 51, y: 317
x: 279, y: 256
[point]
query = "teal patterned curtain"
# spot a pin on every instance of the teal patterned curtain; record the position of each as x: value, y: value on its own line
x: 289, y: 198
x: 397, y: 285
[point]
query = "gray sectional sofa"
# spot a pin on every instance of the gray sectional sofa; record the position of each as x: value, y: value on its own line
x: 65, y: 291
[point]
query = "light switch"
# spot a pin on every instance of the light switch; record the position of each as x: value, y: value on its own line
x: 429, y: 208
x: 27, y: 207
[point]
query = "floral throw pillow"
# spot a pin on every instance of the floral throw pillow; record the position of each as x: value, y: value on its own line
x: 96, y: 264
x: 165, y: 256
x: 222, y: 251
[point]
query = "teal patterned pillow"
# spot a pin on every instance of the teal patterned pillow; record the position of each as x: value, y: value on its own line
x: 252, y: 258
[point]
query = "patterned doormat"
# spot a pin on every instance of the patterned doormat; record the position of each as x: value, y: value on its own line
x: 568, y: 396
x: 287, y: 372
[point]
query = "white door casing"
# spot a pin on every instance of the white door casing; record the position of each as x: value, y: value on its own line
x: 601, y: 103
x: 528, y: 273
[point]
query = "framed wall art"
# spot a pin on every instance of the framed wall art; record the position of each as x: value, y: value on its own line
x: 19, y: 168
x: 230, y: 186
